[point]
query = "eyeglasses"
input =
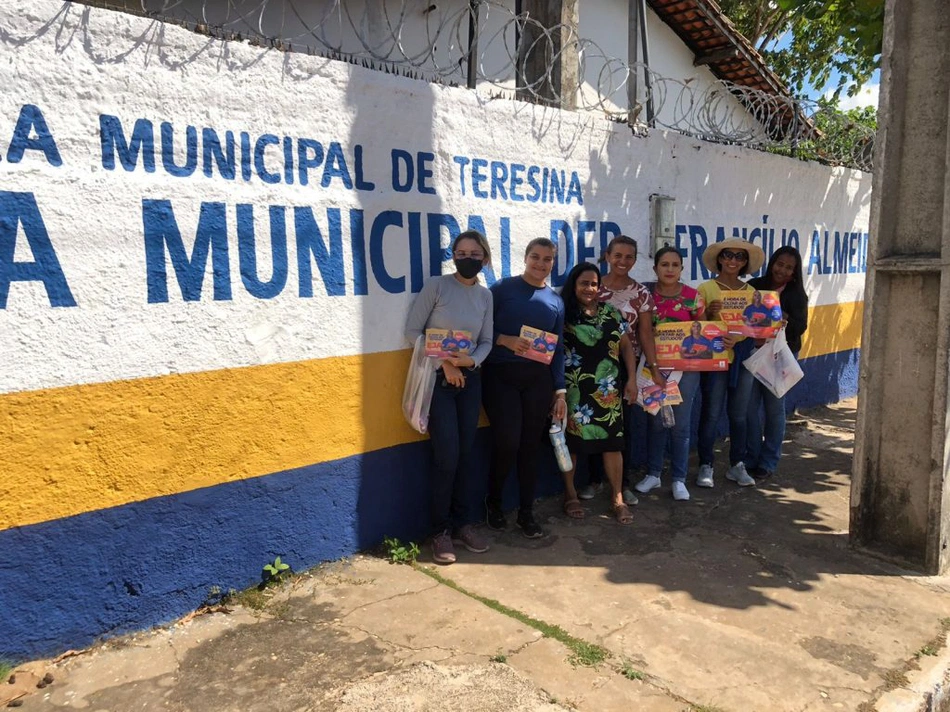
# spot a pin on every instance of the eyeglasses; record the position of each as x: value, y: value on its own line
x: 730, y: 255
x: 469, y: 255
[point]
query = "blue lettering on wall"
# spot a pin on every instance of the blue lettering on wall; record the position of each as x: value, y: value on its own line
x: 358, y: 245
x: 247, y: 252
x: 112, y: 139
x: 329, y: 257
x: 563, y: 237
x: 21, y: 209
x: 388, y: 218
x: 438, y: 254
x: 168, y: 151
x: 161, y: 233
x: 31, y: 120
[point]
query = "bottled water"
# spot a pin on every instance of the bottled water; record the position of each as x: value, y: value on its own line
x: 666, y: 413
x: 561, y: 453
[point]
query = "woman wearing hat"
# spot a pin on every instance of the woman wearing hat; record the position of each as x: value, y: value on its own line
x: 729, y: 261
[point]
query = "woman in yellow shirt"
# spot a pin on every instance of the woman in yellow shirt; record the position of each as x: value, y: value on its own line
x: 729, y: 261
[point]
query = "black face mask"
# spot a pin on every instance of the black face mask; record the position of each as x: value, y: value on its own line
x: 468, y: 267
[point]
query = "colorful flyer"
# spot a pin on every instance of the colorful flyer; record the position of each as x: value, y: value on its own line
x: 543, y: 344
x: 752, y: 313
x: 444, y: 343
x: 692, y: 346
x: 650, y: 396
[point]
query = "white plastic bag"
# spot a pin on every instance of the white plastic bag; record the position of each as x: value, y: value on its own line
x: 775, y: 366
x: 420, y: 384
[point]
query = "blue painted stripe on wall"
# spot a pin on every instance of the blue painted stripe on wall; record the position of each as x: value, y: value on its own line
x: 67, y: 582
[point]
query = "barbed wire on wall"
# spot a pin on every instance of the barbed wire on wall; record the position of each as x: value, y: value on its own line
x: 485, y: 43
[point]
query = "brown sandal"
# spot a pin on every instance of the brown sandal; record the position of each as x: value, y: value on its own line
x: 622, y: 513
x: 573, y: 509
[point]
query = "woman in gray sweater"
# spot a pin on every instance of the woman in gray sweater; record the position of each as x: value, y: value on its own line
x: 458, y: 302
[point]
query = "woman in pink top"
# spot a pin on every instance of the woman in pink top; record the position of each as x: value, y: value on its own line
x: 675, y: 302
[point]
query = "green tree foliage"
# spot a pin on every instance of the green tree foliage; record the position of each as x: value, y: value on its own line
x: 826, y: 36
x: 841, y: 137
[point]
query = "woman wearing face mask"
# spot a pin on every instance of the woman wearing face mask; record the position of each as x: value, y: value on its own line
x: 455, y: 301
x: 632, y: 300
x: 728, y: 261
x: 783, y: 275
x: 675, y: 302
x: 594, y: 344
x: 520, y: 393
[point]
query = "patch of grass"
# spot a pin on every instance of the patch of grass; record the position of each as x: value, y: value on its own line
x: 929, y: 649
x: 866, y: 707
x: 945, y: 624
x: 894, y: 679
x: 582, y: 652
x: 399, y: 553
x: 256, y: 598
x: 630, y: 672
x: 6, y: 667
x: 706, y: 708
x: 499, y: 658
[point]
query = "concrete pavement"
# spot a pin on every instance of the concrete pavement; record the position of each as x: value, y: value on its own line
x: 741, y: 599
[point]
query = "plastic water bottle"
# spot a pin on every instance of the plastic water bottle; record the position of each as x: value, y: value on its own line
x: 561, y: 453
x: 666, y: 413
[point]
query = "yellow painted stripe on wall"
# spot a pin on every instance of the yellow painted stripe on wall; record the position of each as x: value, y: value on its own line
x: 833, y: 328
x: 71, y: 450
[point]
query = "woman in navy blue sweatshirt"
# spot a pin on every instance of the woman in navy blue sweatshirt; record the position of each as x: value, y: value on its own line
x: 520, y: 393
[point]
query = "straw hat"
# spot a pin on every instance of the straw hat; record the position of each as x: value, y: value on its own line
x: 756, y: 255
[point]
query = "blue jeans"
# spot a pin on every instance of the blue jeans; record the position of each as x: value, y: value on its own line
x: 717, y: 393
x: 453, y: 422
x: 678, y: 435
x: 767, y: 453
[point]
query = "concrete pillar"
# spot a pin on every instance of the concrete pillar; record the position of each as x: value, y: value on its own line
x: 900, y: 493
x: 547, y: 53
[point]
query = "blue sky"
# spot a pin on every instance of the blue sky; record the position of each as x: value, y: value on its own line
x: 866, y: 96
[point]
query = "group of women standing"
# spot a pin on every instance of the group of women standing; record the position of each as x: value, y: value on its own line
x: 603, y: 324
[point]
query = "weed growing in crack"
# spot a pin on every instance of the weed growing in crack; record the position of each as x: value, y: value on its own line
x: 499, y: 658
x: 630, y: 672
x: 582, y: 652
x: 274, y: 573
x: 399, y: 553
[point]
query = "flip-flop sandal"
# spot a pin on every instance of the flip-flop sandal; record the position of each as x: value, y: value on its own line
x: 622, y: 513
x: 574, y: 509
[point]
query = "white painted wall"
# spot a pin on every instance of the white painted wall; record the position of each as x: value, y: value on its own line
x: 94, y: 220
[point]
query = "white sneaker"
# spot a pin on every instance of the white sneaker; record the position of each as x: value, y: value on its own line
x: 650, y: 482
x: 680, y: 493
x: 705, y: 476
x: 629, y: 498
x: 738, y: 474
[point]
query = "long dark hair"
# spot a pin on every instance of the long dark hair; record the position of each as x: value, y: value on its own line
x: 572, y: 307
x: 797, y: 284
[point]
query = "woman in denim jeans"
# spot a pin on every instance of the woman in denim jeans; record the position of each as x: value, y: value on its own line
x: 455, y: 301
x: 675, y: 302
x: 728, y: 260
x: 783, y: 275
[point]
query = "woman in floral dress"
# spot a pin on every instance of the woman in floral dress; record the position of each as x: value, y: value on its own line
x: 594, y: 343
x: 632, y: 300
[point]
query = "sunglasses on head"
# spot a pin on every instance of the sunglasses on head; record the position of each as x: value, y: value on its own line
x: 730, y: 255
